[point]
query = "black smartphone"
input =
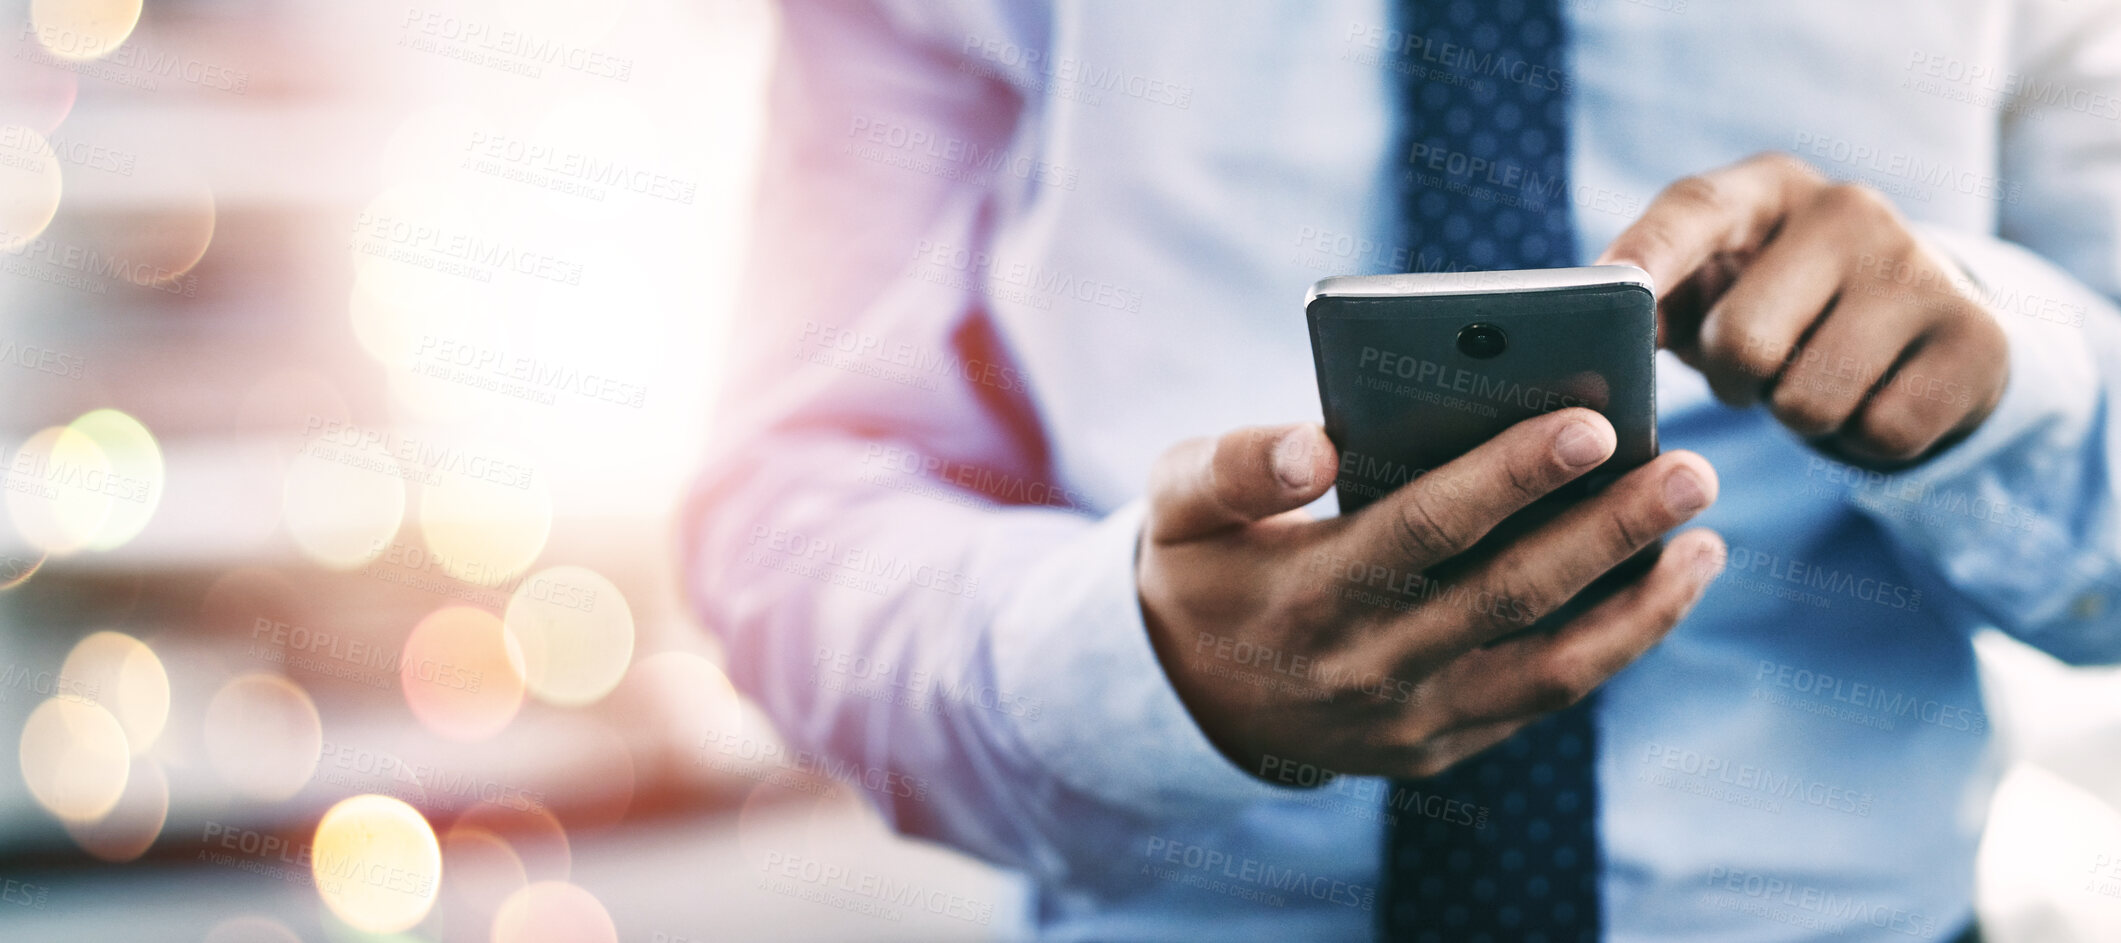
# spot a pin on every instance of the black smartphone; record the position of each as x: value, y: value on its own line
x: 1415, y: 370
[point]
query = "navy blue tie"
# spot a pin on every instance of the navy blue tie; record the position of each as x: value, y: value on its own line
x: 1503, y: 847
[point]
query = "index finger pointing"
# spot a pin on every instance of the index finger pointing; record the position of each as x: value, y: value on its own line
x: 1729, y: 209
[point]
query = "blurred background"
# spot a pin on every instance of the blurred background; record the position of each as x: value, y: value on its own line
x: 356, y: 357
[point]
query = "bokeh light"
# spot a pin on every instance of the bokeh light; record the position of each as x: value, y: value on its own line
x: 532, y: 832
x: 83, y: 29
x: 575, y: 633
x: 30, y: 185
x: 75, y: 759
x: 251, y: 929
x: 130, y: 827
x: 263, y: 736
x: 65, y: 503
x: 486, y: 519
x: 342, y: 515
x: 136, y: 474
x: 16, y: 570
x: 459, y: 673
x: 376, y: 863
x: 553, y: 912
x: 483, y: 871
x: 129, y: 682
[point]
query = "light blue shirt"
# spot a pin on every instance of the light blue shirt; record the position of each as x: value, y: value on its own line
x: 1007, y: 256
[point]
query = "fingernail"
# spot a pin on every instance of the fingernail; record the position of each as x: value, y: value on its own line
x: 1578, y: 445
x: 1708, y: 562
x: 1683, y: 492
x: 1292, y: 459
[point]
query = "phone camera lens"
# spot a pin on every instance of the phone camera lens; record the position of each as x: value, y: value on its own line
x: 1481, y: 341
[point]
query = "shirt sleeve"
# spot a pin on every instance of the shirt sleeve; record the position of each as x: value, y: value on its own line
x: 2023, y: 512
x: 898, y: 578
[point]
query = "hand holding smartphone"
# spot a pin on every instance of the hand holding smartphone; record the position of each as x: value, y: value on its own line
x: 1415, y: 370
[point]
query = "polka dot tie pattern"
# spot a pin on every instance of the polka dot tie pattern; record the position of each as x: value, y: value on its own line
x: 1503, y: 847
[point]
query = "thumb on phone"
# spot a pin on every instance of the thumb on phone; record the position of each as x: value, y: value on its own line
x: 1202, y: 486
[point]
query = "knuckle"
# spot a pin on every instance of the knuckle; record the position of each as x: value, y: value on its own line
x: 1783, y: 164
x: 1730, y: 343
x: 1420, y: 533
x: 1558, y: 686
x: 1857, y: 201
x: 1895, y: 430
x: 1624, y: 534
x: 1697, y: 192
x: 1799, y: 405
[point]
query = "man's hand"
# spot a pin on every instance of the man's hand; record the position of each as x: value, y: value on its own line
x: 1780, y: 285
x: 1376, y: 643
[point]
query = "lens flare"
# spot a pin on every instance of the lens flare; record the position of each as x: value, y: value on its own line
x: 376, y: 863
x: 58, y: 498
x: 342, y: 508
x: 30, y: 185
x: 75, y: 759
x: 263, y: 736
x: 131, y: 827
x: 460, y: 674
x: 83, y: 29
x: 129, y: 681
x: 575, y: 632
x: 553, y: 912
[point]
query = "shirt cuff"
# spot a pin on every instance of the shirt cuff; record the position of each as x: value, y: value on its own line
x: 2051, y: 395
x: 1072, y: 636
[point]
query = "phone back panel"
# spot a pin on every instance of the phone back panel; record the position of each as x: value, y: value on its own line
x: 1401, y: 397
